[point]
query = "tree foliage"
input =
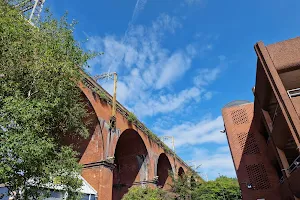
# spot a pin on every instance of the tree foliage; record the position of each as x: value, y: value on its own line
x: 146, y: 193
x: 223, y: 188
x: 188, y: 186
x: 185, y: 184
x: 185, y: 187
x: 39, y: 102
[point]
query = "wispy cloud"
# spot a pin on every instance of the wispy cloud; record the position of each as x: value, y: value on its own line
x: 202, y: 143
x: 148, y: 73
x: 208, y: 75
x: 193, y: 2
x: 204, y: 131
x: 146, y: 69
x: 139, y: 6
x: 142, y: 49
x: 213, y: 163
x: 167, y: 102
x: 174, y: 67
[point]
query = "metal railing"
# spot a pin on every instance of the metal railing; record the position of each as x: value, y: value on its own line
x: 281, y: 181
x: 295, y: 165
x: 294, y: 92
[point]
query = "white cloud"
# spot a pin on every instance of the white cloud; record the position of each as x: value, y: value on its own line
x: 198, y: 141
x: 173, y: 68
x: 208, y: 75
x: 204, y: 144
x: 204, y: 131
x: 166, y: 22
x: 223, y: 149
x: 142, y: 48
x: 213, y: 163
x: 146, y: 69
x: 147, y: 72
x: 122, y: 90
x: 193, y: 2
x: 191, y: 50
x: 166, y: 103
x: 140, y: 5
x: 208, y: 95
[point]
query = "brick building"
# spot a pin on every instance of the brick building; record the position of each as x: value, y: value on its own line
x: 264, y: 136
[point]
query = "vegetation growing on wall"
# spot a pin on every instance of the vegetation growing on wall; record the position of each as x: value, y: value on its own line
x: 103, y: 96
x: 125, y: 113
x: 131, y: 118
x: 39, y: 102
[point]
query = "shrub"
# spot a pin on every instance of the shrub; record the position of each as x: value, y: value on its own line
x: 40, y: 103
x: 219, y: 189
x: 146, y: 193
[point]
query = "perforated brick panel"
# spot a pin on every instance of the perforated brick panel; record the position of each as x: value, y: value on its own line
x: 248, y: 143
x: 258, y: 176
x: 239, y: 116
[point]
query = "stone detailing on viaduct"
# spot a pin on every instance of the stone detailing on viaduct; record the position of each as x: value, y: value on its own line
x: 116, y: 160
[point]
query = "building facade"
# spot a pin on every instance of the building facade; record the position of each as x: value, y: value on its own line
x: 264, y: 136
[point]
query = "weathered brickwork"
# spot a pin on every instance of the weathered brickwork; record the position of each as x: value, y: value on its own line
x: 264, y: 136
x: 115, y: 160
x: 248, y: 150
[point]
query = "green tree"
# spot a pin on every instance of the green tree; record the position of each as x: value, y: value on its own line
x: 39, y: 103
x: 223, y: 188
x: 184, y: 185
x: 146, y: 193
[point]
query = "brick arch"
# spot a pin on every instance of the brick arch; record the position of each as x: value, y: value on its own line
x: 91, y: 97
x: 181, y: 172
x: 98, y: 137
x: 116, y: 137
x: 131, y: 161
x: 100, y: 172
x: 162, y: 171
x: 86, y: 146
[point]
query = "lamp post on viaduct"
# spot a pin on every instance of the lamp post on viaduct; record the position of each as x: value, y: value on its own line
x: 115, y: 159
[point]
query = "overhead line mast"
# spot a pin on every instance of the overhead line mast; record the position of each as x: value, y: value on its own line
x: 34, y: 8
x: 113, y: 76
x: 31, y: 7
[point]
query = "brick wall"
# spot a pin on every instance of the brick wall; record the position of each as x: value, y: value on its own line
x: 249, y: 151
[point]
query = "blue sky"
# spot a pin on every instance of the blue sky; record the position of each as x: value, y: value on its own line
x: 180, y: 61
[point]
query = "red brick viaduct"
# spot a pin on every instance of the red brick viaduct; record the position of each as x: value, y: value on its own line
x: 131, y: 155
